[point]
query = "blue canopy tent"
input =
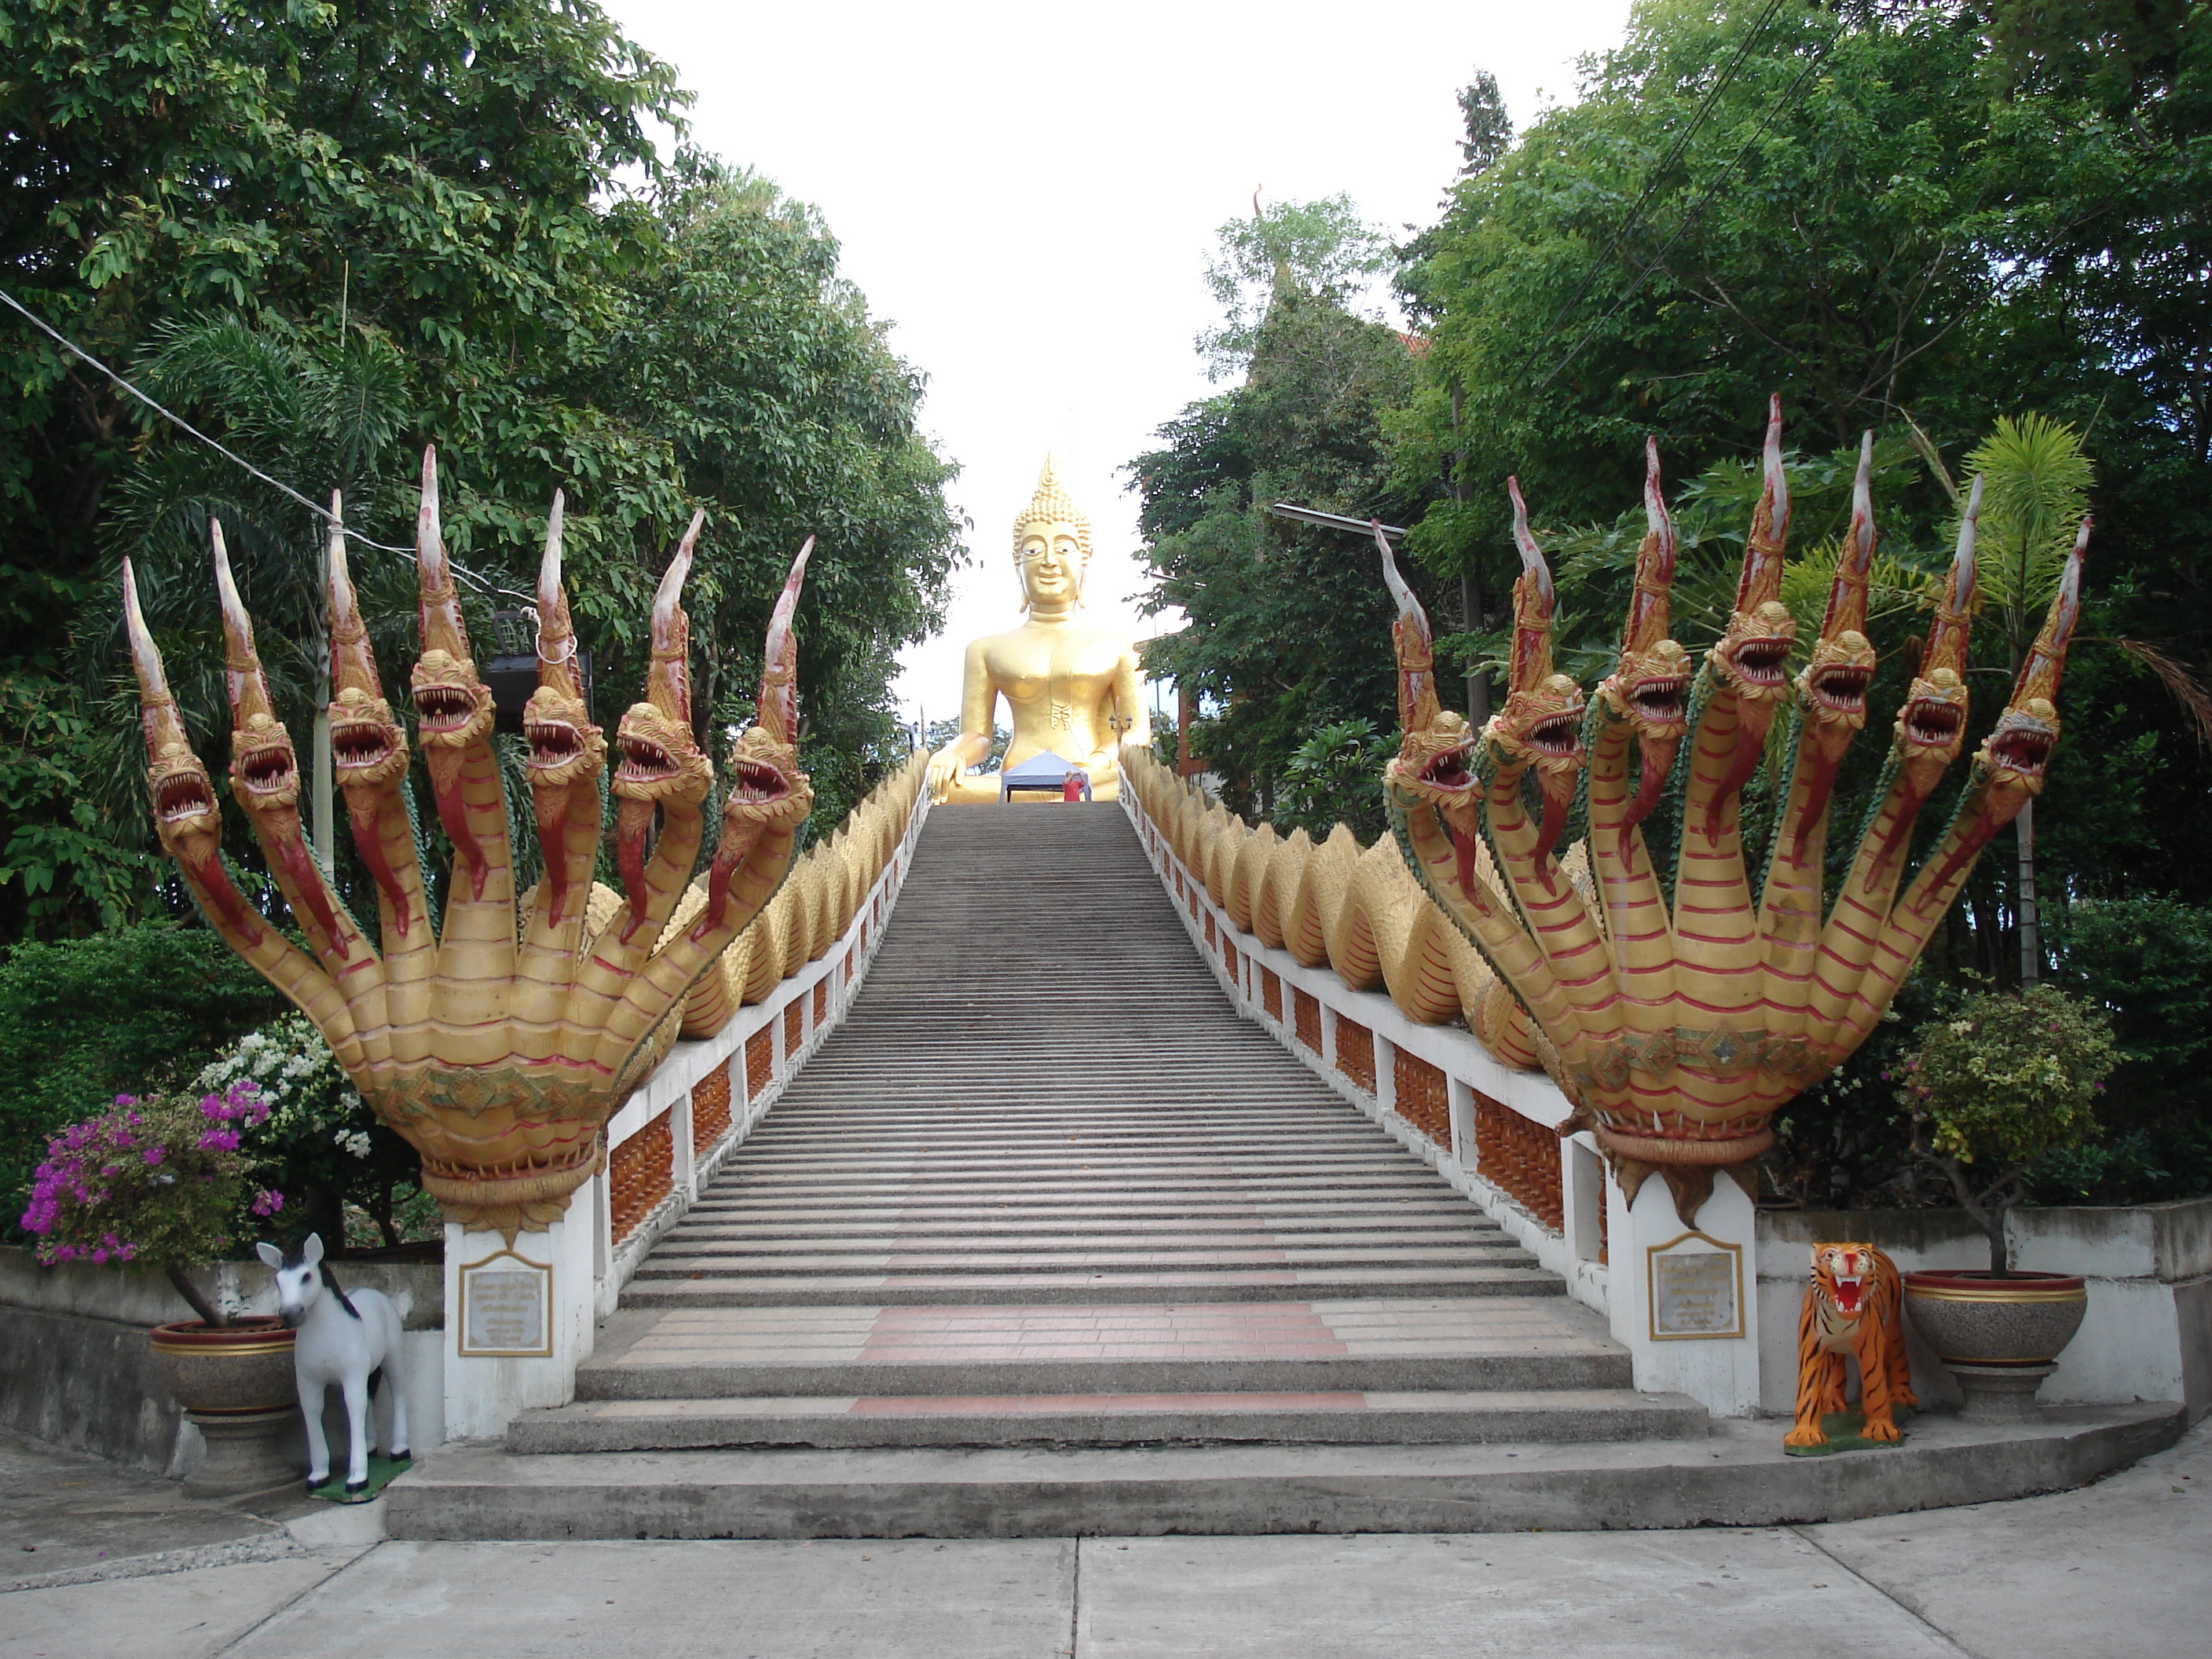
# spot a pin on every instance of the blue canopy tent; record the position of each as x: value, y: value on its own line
x: 1045, y: 771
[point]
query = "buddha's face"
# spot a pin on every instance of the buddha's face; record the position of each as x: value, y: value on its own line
x: 1052, y: 564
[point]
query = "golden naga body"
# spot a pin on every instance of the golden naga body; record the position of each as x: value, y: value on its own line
x: 500, y: 1043
x: 1072, y: 687
x: 1677, y: 1027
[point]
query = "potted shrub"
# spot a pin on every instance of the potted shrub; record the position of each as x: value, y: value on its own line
x: 2006, y: 1081
x: 162, y: 1182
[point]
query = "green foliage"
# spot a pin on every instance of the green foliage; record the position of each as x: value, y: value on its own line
x: 329, y: 235
x: 2010, y: 1077
x: 1322, y: 248
x: 62, y: 869
x: 1288, y: 624
x: 2148, y: 960
x: 1336, y: 777
x: 137, y: 1009
x: 2008, y: 1080
x: 319, y: 1148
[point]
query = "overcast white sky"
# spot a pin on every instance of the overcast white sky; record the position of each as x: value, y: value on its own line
x: 1030, y: 193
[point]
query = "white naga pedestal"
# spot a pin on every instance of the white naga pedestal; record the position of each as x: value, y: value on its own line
x: 1684, y: 1300
x: 518, y: 1320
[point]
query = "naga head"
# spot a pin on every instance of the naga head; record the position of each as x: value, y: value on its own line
x: 1541, y: 723
x: 185, y: 815
x: 565, y: 747
x: 1832, y: 689
x: 452, y: 706
x: 264, y: 770
x: 767, y: 789
x: 1649, y: 688
x: 1434, y: 763
x: 2017, y: 752
x: 1751, y: 657
x: 1931, y: 727
x: 368, y: 747
x: 660, y: 761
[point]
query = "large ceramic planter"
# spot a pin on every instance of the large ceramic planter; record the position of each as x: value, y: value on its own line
x: 1998, y: 1337
x: 235, y: 1384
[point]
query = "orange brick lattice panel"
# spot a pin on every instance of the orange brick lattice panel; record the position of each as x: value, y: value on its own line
x: 1421, y: 1098
x: 760, y: 1059
x: 1307, y: 1009
x: 1209, y: 940
x: 710, y: 1109
x: 1602, y: 1257
x: 1355, y: 1053
x: 1271, y: 993
x: 1521, y: 1157
x: 821, y: 1001
x: 795, y: 1024
x: 639, y: 1174
x: 848, y: 967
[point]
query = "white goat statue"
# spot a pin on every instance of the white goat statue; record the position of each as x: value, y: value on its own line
x: 344, y: 1338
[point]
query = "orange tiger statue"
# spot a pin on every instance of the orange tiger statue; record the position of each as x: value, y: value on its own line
x: 1852, y: 1305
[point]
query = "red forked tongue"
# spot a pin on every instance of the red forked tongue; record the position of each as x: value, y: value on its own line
x: 733, y: 852
x: 1463, y: 853
x: 370, y: 845
x: 1817, y: 789
x: 234, y: 909
x: 1548, y: 836
x: 302, y: 868
x: 454, y: 814
x: 553, y: 834
x: 632, y: 825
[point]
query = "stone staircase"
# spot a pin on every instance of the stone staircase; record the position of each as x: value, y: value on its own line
x: 1045, y: 1238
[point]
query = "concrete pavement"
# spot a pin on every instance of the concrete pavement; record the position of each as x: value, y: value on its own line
x: 2121, y: 1570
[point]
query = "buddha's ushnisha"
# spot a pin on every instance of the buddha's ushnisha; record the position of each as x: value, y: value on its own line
x: 1071, y: 686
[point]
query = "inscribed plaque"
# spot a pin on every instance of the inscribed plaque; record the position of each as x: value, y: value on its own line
x: 507, y: 1307
x: 1696, y: 1289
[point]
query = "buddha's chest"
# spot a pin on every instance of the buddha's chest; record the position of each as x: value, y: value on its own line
x: 1073, y: 670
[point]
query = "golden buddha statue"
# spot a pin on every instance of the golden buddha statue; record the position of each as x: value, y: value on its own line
x: 1073, y: 687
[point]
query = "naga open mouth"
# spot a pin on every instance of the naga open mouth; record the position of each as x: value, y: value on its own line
x: 1931, y: 722
x: 444, y: 709
x: 2024, y: 747
x: 266, y: 771
x: 643, y: 761
x: 1760, y: 662
x: 1663, y: 701
x: 1556, y: 735
x: 755, y: 784
x: 359, y: 748
x: 1841, y: 688
x: 182, y: 795
x: 552, y: 743
x: 1448, y: 771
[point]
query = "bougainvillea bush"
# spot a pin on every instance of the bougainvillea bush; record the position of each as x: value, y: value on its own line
x: 161, y: 1181
x: 2006, y: 1081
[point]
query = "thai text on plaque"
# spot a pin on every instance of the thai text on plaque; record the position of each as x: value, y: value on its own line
x: 506, y: 1307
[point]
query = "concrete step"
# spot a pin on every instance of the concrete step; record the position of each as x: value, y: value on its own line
x: 994, y: 1256
x: 1394, y: 1344
x: 1736, y: 1475
x: 1434, y: 1417
x: 757, y: 1289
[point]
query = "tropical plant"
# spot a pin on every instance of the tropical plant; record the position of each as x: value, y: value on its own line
x: 1322, y: 248
x: 2008, y: 1079
x: 158, y: 1181
x: 1336, y: 777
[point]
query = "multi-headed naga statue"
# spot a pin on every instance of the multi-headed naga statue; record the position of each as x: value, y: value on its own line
x: 1677, y: 1014
x: 499, y: 1045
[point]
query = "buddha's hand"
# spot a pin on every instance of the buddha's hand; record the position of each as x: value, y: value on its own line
x: 943, y: 767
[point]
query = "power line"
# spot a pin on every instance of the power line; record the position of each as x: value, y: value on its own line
x: 236, y: 459
x: 1629, y: 225
x: 1690, y: 215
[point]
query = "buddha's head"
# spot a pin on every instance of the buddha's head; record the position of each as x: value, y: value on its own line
x: 1052, y: 546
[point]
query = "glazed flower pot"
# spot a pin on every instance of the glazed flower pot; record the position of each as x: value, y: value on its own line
x: 235, y: 1384
x: 1999, y: 1337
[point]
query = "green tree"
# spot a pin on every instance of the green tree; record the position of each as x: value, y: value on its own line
x: 1323, y: 248
x: 327, y: 235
